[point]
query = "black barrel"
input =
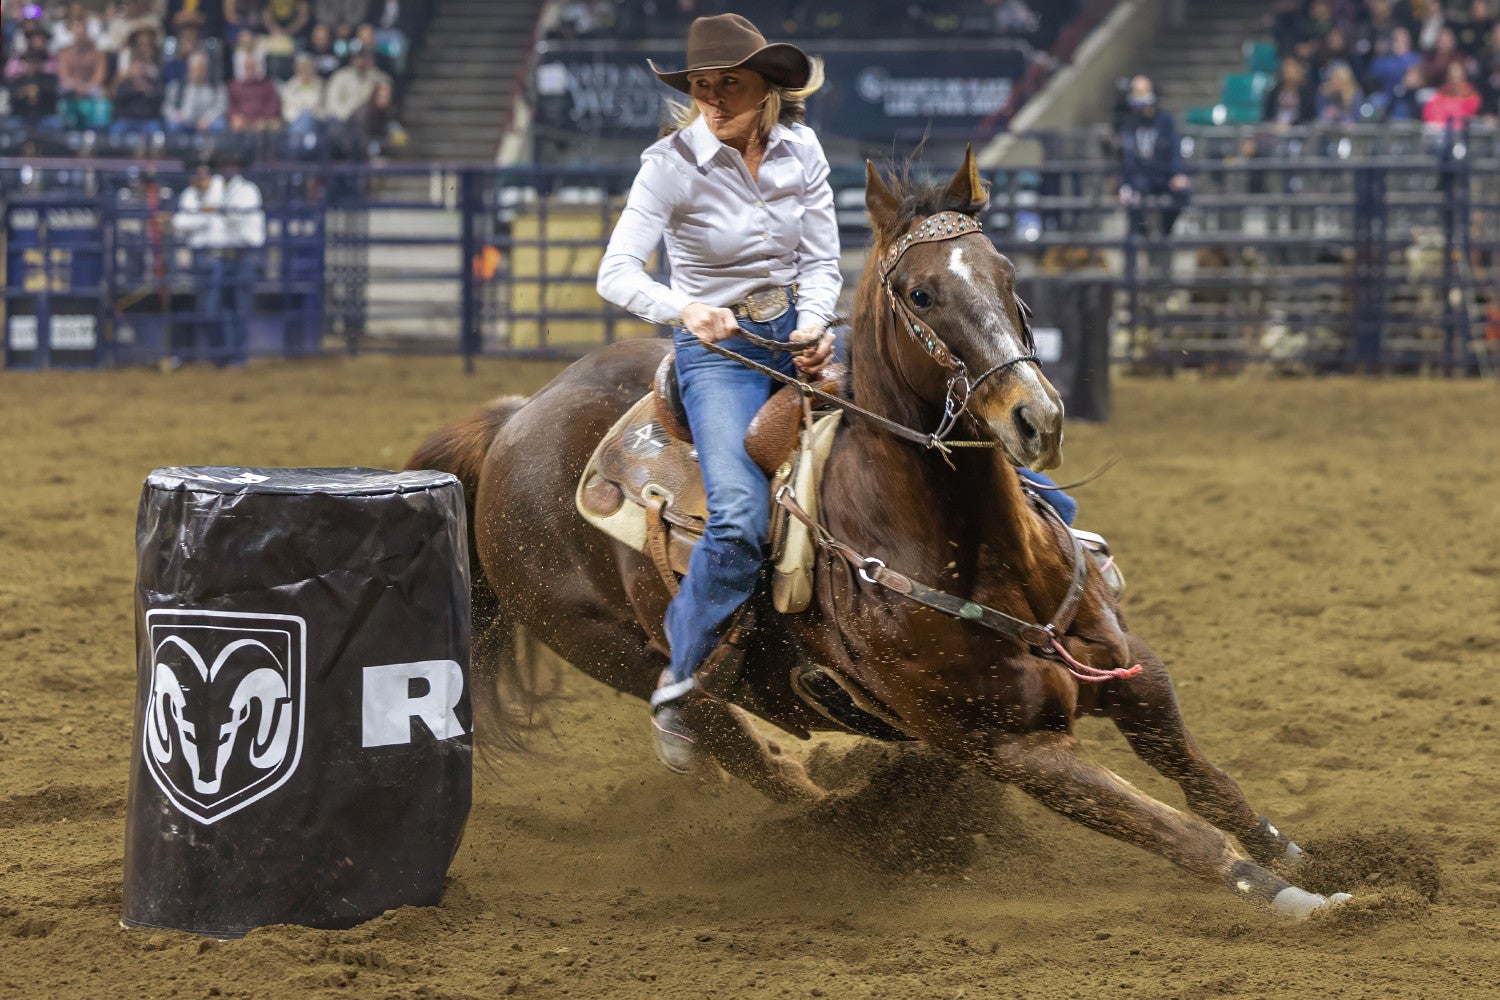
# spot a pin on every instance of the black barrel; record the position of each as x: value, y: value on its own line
x: 302, y: 743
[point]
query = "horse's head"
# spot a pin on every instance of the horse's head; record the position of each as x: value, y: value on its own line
x: 948, y: 317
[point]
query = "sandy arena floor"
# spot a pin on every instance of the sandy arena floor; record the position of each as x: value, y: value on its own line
x: 1320, y: 560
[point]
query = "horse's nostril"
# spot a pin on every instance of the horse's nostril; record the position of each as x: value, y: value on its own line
x: 1024, y: 425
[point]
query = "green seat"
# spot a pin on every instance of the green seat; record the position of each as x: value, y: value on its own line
x: 1260, y: 57
x: 1201, y: 116
x: 1243, y: 89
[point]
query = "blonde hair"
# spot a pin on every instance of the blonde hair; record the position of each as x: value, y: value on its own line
x: 783, y: 105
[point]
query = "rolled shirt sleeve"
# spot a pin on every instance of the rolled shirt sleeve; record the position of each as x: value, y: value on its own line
x: 622, y: 273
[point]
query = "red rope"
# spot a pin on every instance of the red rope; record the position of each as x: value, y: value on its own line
x: 1093, y: 675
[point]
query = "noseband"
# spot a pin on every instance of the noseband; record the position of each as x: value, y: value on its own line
x: 936, y: 229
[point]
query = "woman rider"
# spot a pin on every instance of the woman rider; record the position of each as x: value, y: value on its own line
x: 738, y: 190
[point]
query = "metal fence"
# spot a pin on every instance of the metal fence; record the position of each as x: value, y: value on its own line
x: 1343, y: 251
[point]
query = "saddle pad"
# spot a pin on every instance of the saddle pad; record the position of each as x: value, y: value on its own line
x: 637, y: 460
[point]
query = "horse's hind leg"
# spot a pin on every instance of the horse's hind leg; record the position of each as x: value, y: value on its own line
x: 1049, y: 767
x: 1145, y: 710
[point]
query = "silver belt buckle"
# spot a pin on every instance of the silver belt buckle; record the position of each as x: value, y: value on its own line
x: 767, y: 304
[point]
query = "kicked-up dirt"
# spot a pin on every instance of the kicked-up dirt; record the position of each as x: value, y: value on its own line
x: 1319, y: 562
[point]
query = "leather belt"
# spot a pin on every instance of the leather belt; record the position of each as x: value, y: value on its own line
x: 766, y: 304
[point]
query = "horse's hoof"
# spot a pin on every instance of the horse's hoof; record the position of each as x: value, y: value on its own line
x: 1294, y: 854
x: 1299, y: 904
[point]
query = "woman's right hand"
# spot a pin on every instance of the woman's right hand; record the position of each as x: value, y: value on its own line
x: 708, y: 323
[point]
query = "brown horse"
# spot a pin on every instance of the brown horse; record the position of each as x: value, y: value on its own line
x: 960, y: 523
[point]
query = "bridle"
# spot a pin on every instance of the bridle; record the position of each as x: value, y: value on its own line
x: 960, y: 388
x: 936, y: 229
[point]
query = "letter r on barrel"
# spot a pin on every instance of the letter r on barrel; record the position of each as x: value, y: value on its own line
x: 388, y: 705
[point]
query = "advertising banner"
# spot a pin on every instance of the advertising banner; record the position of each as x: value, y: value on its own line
x: 599, y: 90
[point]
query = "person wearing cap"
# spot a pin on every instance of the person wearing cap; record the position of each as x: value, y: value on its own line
x: 737, y: 189
x: 1151, y: 158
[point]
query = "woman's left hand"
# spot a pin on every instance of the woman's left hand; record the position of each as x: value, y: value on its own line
x: 813, y: 360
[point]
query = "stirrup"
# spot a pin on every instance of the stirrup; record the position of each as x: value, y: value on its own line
x: 1099, y: 554
x: 671, y: 738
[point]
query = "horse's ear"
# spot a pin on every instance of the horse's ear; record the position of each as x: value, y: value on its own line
x: 879, y: 202
x: 967, y: 192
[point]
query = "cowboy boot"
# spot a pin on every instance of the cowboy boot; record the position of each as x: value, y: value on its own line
x: 671, y: 735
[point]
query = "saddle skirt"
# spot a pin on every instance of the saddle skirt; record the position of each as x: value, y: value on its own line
x: 642, y: 487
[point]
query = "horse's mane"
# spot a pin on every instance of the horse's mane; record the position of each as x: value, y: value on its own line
x: 917, y: 200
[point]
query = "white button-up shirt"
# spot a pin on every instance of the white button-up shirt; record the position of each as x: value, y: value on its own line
x: 726, y: 234
x: 226, y: 216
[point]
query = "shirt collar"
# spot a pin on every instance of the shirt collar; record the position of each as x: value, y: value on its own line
x: 704, y: 145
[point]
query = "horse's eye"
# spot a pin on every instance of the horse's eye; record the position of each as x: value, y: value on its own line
x: 919, y: 298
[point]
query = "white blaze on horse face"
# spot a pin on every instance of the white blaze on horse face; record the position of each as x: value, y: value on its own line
x: 959, y: 266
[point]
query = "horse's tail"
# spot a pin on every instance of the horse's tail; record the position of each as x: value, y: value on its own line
x: 509, y: 685
x: 460, y: 447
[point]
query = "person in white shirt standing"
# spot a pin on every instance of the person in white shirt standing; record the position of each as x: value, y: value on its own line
x: 738, y: 190
x: 224, y: 222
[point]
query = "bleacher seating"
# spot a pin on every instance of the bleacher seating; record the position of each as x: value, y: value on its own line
x: 46, y: 109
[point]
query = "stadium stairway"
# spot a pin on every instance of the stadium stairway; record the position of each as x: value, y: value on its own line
x: 1188, y: 60
x: 466, y: 77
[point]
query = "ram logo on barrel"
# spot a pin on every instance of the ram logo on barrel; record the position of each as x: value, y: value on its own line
x: 225, y: 717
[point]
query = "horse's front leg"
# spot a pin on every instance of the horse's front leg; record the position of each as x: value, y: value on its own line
x: 1144, y: 708
x: 1050, y: 767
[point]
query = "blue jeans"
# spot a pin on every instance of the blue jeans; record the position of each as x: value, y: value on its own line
x: 721, y: 398
x: 226, y: 297
x: 1066, y: 506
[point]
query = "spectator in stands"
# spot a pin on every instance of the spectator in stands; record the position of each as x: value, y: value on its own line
x: 1473, y: 33
x: 1444, y: 54
x: 187, y: 42
x: 1372, y: 36
x: 207, y: 16
x: 142, y: 47
x: 138, y: 100
x: 34, y: 94
x: 374, y: 126
x: 1457, y: 101
x: 128, y: 19
x: 241, y: 16
x: 1340, y: 98
x: 35, y: 42
x: 1316, y: 21
x: 287, y: 18
x: 81, y: 67
x: 199, y: 102
x: 222, y: 219
x: 254, y: 103
x: 1489, y: 75
x: 1292, y: 101
x: 390, y: 35
x: 364, y: 39
x: 1151, y: 159
x: 1403, y: 102
x: 1335, y: 52
x: 247, y: 57
x: 320, y: 47
x: 340, y: 15
x: 1286, y: 27
x: 66, y: 30
x: 1389, y: 68
x: 351, y: 87
x: 746, y: 121
x: 303, y: 103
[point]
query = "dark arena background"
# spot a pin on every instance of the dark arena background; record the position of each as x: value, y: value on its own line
x: 1289, y: 355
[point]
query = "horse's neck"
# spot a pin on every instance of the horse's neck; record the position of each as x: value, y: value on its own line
x: 963, y: 527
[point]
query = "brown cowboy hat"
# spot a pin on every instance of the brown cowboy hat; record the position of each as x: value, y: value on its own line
x: 728, y: 41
